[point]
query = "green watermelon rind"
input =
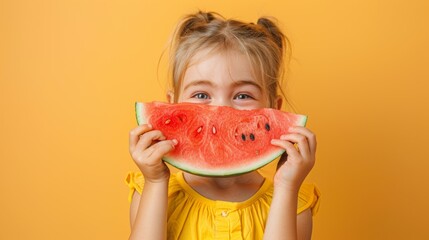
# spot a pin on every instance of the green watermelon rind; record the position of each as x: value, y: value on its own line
x: 228, y: 172
x: 140, y: 113
x: 303, y: 121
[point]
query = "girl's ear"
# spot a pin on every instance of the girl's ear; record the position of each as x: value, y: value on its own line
x: 170, y: 96
x: 278, y: 102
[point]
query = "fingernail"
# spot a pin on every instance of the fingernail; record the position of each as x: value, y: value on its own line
x: 174, y: 141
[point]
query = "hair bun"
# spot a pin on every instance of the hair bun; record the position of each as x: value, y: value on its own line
x: 205, y: 16
x: 273, y: 30
x: 193, y: 22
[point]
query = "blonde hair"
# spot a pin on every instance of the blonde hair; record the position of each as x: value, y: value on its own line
x: 263, y: 43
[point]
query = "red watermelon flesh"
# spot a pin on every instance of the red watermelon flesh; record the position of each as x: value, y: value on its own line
x: 218, y: 140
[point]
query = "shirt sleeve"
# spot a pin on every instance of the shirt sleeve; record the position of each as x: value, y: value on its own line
x: 308, y: 198
x: 135, y: 181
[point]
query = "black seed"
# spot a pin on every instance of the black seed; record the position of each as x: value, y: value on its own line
x: 267, y: 126
x: 243, y: 137
x: 252, y: 137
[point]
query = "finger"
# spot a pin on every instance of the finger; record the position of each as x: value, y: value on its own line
x: 301, y: 141
x: 159, y: 149
x: 135, y: 133
x: 291, y: 151
x: 148, y: 138
x: 311, y: 137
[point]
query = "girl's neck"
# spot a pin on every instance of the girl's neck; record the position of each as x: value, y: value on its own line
x: 233, y: 189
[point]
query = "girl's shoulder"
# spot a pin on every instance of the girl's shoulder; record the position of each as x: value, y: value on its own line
x: 135, y: 182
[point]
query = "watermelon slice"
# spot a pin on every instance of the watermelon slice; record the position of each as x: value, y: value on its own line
x: 218, y: 140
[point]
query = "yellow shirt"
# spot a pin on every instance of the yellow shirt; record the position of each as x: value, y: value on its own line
x: 192, y: 216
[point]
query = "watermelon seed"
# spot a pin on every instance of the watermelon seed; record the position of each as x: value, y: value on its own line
x: 252, y: 137
x: 199, y: 129
x: 243, y: 137
x: 267, y: 126
x: 214, y: 130
x: 257, y: 152
x: 167, y: 121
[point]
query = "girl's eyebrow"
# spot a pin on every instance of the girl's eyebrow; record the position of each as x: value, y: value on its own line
x: 198, y: 82
x: 247, y: 82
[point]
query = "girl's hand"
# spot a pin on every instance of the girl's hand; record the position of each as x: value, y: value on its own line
x: 298, y: 161
x: 147, y: 147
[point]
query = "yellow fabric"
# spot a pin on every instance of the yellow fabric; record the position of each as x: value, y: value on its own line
x: 192, y: 216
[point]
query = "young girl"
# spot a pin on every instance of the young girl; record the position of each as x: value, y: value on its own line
x: 223, y: 62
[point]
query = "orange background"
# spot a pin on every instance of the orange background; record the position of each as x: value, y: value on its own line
x: 71, y: 71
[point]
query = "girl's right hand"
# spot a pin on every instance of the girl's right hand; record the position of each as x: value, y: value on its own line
x: 147, y: 147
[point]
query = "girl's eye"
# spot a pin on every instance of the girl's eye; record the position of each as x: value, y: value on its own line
x: 242, y: 96
x: 201, y: 96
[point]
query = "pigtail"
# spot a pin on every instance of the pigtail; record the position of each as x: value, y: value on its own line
x: 284, y: 46
x: 277, y: 36
x: 195, y: 22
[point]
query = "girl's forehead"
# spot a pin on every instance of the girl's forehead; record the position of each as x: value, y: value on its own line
x: 209, y: 61
x: 206, y: 53
x: 212, y: 62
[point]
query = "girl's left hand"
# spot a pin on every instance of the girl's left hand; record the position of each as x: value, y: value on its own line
x: 298, y: 160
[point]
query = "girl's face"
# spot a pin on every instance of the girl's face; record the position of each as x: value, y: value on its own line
x: 223, y: 79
